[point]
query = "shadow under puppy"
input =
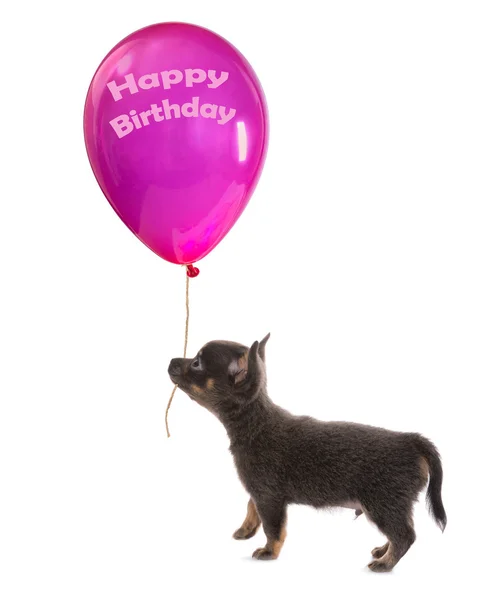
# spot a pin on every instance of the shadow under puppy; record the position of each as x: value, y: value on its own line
x: 284, y: 459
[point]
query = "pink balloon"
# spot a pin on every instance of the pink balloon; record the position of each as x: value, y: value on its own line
x: 176, y: 131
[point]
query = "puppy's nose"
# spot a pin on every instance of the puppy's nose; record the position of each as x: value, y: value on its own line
x: 175, y: 366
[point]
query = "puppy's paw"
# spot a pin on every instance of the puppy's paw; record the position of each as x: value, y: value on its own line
x: 380, y: 566
x: 263, y: 554
x: 380, y: 551
x: 244, y: 534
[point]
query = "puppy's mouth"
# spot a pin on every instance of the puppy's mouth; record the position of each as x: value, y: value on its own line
x: 175, y: 379
x: 175, y: 371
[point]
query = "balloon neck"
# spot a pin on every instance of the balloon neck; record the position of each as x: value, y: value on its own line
x: 192, y: 271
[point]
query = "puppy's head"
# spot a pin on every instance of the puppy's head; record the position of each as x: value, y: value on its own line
x: 222, y: 374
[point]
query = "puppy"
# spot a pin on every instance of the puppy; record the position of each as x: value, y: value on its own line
x: 284, y: 459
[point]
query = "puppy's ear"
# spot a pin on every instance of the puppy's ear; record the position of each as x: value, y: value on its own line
x: 253, y: 366
x: 261, y: 347
x: 248, y: 372
x: 238, y: 369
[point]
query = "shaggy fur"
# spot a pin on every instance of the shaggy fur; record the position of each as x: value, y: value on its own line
x: 284, y: 459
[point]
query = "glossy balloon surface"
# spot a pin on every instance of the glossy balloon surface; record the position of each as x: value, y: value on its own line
x: 176, y: 131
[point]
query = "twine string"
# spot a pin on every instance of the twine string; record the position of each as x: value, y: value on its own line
x: 187, y: 320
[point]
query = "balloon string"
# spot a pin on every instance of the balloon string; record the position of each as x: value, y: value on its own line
x: 187, y: 320
x: 187, y: 315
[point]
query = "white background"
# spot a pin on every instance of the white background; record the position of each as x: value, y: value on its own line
x: 359, y: 252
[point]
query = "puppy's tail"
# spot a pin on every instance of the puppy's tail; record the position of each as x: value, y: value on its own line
x: 434, y: 490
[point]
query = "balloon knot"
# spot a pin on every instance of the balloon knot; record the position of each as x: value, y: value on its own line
x: 192, y: 271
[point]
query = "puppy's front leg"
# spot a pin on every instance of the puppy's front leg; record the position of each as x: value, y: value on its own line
x: 250, y: 525
x: 274, y: 518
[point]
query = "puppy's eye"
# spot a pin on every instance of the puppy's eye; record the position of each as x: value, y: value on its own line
x: 196, y: 364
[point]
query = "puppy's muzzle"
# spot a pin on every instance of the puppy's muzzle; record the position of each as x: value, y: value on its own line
x: 175, y: 369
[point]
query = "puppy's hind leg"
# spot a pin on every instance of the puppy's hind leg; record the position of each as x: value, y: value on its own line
x: 379, y: 551
x: 396, y: 523
x: 250, y: 525
x: 274, y: 518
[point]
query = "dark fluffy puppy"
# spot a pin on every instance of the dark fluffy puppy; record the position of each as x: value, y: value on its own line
x: 284, y: 459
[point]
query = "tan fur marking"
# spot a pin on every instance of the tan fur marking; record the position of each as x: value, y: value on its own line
x: 252, y: 520
x: 243, y: 361
x: 388, y: 557
x: 379, y: 551
x: 250, y: 524
x: 385, y: 558
x: 424, y: 469
x: 196, y: 389
x: 242, y: 366
x: 272, y: 547
x: 210, y: 383
x: 275, y: 546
